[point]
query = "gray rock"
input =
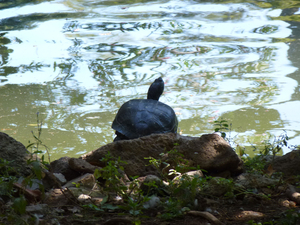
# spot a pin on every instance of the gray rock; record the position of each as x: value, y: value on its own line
x: 249, y: 180
x: 82, y: 166
x: 60, y: 177
x: 62, y: 166
x: 39, y: 208
x: 150, y: 179
x: 15, y: 152
x: 153, y: 202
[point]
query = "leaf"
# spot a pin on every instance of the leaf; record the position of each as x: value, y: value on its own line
x: 104, y: 200
x: 97, y: 173
x: 19, y: 205
x: 109, y: 206
x: 37, y: 169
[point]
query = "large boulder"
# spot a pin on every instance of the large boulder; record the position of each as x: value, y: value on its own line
x: 16, y: 153
x: 210, y: 152
x: 288, y: 164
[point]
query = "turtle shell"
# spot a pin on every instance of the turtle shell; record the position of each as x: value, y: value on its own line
x: 141, y: 117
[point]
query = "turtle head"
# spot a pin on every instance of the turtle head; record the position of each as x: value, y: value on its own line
x: 156, y: 89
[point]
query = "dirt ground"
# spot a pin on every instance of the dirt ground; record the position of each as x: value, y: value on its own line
x: 230, y: 212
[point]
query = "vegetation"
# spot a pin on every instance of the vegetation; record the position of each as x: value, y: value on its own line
x: 169, y: 197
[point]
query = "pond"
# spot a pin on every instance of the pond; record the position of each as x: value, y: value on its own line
x: 74, y: 63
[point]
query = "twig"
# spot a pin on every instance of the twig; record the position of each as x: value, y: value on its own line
x: 207, y: 216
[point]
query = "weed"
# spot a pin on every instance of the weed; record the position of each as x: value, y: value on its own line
x: 172, y: 208
x: 255, y: 164
x: 134, y: 208
x: 290, y: 217
x: 222, y: 127
x: 112, y: 175
x: 35, y: 146
x: 6, y: 180
x: 274, y: 147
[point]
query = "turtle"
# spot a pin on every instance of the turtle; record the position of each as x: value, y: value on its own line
x: 142, y: 117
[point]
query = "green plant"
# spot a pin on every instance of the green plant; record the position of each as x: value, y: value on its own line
x: 222, y: 127
x: 35, y: 146
x: 186, y: 189
x: 6, y: 179
x: 172, y: 208
x: 255, y: 164
x: 228, y: 185
x: 102, y: 207
x: 275, y: 146
x: 179, y: 164
x: 154, y: 162
x: 290, y: 217
x: 177, y: 158
x: 7, y: 191
x: 19, y: 202
x: 135, y: 209
x: 112, y: 175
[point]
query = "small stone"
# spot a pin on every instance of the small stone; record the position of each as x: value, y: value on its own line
x: 58, y: 197
x: 62, y: 166
x: 36, y: 208
x: 249, y: 215
x: 86, y: 180
x: 84, y: 198
x: 82, y: 166
x: 150, y: 179
x: 292, y: 204
x: 190, y: 174
x: 60, y: 177
x: 284, y: 202
x: 152, y: 203
x: 97, y: 201
x: 250, y: 180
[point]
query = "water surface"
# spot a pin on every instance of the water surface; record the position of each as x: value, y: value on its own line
x: 77, y: 62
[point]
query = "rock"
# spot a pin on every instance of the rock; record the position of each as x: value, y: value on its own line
x: 146, y: 186
x: 82, y: 166
x: 218, y: 186
x: 249, y: 180
x: 33, y: 184
x: 152, y: 203
x: 77, y: 191
x: 16, y: 153
x: 59, y: 197
x: 84, y: 199
x: 62, y: 166
x: 60, y: 177
x: 86, y: 180
x: 288, y: 164
x: 51, y: 181
x: 248, y: 215
x: 210, y: 152
x: 190, y: 174
x: 39, y: 208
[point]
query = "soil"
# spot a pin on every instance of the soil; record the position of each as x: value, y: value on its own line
x: 234, y: 211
